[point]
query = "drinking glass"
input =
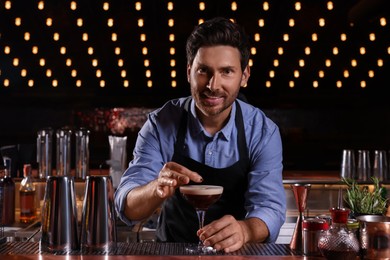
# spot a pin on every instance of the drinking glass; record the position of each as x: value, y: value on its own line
x: 63, y: 151
x: 201, y: 197
x: 363, y: 169
x: 348, y: 164
x: 44, y: 152
x: 379, y: 168
x: 82, y: 153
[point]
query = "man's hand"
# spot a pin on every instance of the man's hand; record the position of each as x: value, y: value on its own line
x: 229, y: 235
x: 144, y: 200
x: 173, y: 175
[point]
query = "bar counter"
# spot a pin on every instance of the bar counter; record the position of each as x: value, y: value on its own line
x: 149, y: 251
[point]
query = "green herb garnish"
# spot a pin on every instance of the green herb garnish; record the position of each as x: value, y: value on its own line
x: 361, y: 201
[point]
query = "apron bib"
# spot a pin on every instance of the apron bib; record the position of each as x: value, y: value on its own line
x: 178, y: 221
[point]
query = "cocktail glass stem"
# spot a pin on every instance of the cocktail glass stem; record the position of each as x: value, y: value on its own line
x: 201, y: 247
x: 200, y: 214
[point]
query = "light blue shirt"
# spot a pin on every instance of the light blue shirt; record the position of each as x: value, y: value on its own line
x: 265, y: 197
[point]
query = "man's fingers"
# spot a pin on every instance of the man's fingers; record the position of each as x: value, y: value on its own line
x: 181, y: 173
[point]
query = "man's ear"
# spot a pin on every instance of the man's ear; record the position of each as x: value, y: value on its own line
x: 245, y: 76
x: 188, y: 73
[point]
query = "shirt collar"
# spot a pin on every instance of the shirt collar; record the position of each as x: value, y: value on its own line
x: 196, y: 127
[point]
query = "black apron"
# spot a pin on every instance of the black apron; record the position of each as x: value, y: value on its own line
x: 178, y: 220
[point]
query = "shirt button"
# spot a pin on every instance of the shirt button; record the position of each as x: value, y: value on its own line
x: 210, y: 152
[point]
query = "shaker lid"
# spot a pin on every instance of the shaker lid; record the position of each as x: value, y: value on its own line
x: 314, y: 224
x: 340, y: 215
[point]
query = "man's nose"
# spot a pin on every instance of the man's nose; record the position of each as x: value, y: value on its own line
x: 213, y: 83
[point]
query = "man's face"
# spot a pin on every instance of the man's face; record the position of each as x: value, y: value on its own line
x: 215, y: 77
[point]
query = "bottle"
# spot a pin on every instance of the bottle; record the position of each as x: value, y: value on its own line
x: 339, y: 243
x: 27, y: 196
x: 7, y: 185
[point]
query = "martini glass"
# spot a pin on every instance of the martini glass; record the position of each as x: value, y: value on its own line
x: 201, y: 197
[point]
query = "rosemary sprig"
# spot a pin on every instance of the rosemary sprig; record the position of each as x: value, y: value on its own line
x: 360, y: 200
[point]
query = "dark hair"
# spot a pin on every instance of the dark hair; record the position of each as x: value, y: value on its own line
x: 218, y: 31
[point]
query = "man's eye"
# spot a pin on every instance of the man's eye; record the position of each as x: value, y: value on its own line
x: 201, y: 70
x: 228, y: 71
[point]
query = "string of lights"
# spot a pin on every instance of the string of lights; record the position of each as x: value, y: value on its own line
x: 126, y: 46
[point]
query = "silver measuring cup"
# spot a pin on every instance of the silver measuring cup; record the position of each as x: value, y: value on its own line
x: 98, y: 224
x: 59, y: 216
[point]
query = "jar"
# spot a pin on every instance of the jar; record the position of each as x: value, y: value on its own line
x: 312, y: 229
x: 339, y: 243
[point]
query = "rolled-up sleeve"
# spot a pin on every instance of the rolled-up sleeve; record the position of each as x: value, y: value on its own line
x: 143, y: 168
x: 266, y: 198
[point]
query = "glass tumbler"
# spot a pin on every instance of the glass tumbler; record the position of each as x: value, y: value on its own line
x: 82, y: 153
x: 363, y: 169
x: 379, y: 168
x: 63, y: 151
x: 44, y: 152
x: 348, y: 164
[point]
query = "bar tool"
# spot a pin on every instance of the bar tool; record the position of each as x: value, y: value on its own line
x: 300, y: 194
x: 98, y: 224
x: 59, y: 216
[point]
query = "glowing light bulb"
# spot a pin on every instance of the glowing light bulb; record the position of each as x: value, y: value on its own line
x: 173, y: 83
x: 73, y: 5
x: 18, y: 21
x: 339, y: 84
x: 298, y: 6
x: 41, y: 5
x: 170, y: 6
x: 233, y: 6
x: 202, y: 6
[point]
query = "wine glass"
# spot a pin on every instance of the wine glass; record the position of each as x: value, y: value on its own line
x: 201, y: 197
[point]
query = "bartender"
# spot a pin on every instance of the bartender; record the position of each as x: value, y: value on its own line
x: 210, y: 137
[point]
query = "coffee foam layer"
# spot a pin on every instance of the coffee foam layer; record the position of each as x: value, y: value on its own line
x: 201, y: 189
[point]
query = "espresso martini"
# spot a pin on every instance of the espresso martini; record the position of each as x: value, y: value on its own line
x: 201, y: 196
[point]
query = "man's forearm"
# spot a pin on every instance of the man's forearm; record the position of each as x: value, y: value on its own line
x: 255, y: 230
x: 141, y: 202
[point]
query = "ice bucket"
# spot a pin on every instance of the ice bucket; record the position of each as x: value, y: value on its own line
x: 374, y: 236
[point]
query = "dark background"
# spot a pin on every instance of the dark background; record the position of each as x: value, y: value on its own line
x: 316, y: 123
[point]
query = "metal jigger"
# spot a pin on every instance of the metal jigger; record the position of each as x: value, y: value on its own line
x: 300, y: 194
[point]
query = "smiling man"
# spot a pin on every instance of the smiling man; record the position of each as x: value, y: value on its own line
x: 211, y: 137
